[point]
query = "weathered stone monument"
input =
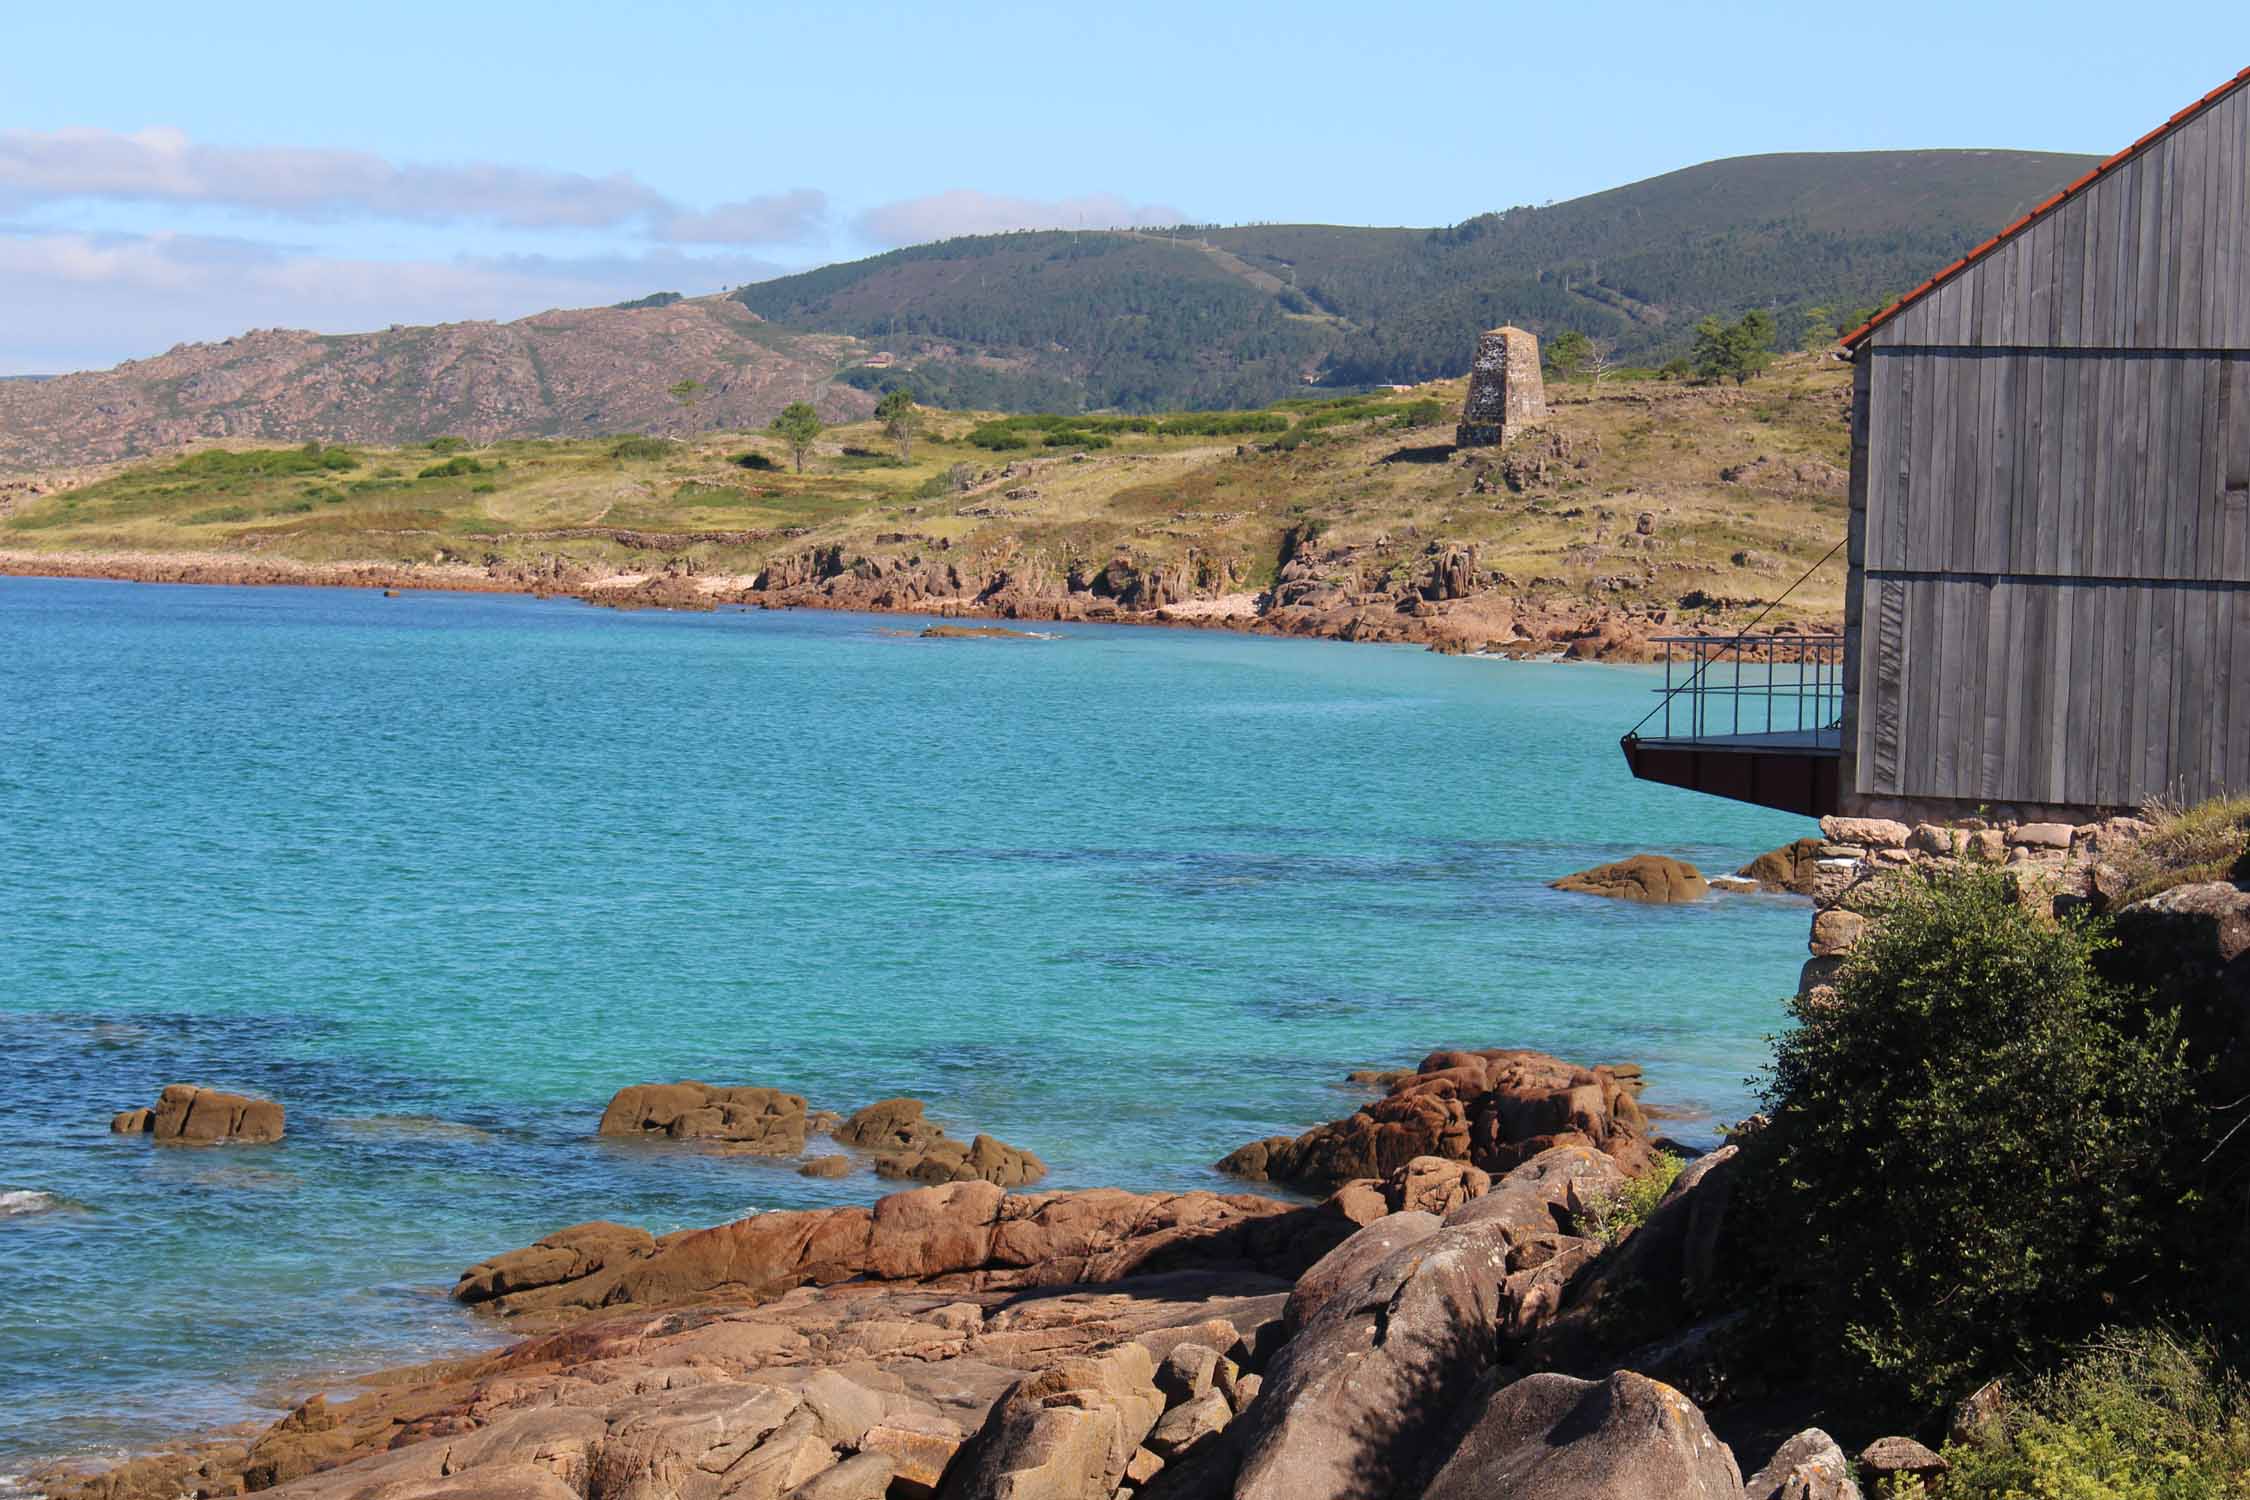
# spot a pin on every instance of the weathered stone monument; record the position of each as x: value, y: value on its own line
x: 1505, y: 392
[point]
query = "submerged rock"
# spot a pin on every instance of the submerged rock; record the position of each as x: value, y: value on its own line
x: 911, y: 1148
x: 188, y: 1115
x: 1655, y: 879
x: 763, y: 1119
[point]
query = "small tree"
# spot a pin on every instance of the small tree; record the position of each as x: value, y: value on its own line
x: 1567, y: 353
x: 902, y: 419
x: 1735, y: 350
x: 1601, y: 360
x: 798, y: 425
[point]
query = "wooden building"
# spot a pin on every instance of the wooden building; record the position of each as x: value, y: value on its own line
x: 2048, y: 607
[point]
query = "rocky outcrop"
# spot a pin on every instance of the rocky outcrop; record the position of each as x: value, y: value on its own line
x: 1653, y: 878
x: 1556, y: 1438
x: 1791, y: 870
x: 1663, y: 1276
x: 909, y: 1147
x: 970, y: 1234
x: 1810, y: 1466
x: 848, y: 1391
x: 1492, y: 1109
x: 768, y: 1121
x: 188, y: 1115
x: 1396, y: 1324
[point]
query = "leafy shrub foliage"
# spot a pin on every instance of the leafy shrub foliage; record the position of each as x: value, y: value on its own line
x: 1970, y: 1155
x: 2135, y: 1415
x: 1615, y: 1215
x: 452, y: 468
x: 642, y: 447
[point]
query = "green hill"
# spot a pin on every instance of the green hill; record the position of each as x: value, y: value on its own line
x: 1200, y: 317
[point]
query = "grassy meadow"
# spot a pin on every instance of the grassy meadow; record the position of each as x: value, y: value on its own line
x: 1373, y: 471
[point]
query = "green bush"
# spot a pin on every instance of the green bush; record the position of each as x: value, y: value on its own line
x: 2136, y: 1415
x: 642, y: 447
x: 1970, y: 1151
x: 1614, y: 1215
x: 1426, y: 412
x: 452, y: 468
x: 443, y: 445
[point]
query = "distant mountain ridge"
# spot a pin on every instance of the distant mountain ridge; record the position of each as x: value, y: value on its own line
x: 682, y: 366
x: 1071, y: 320
x: 1216, y: 317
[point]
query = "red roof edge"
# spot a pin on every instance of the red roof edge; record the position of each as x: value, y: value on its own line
x: 1853, y: 339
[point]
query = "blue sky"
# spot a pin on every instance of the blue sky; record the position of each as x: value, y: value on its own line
x: 174, y: 172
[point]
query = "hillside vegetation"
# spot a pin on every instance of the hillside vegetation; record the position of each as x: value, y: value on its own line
x: 1066, y: 322
x: 1636, y: 495
x: 1208, y: 316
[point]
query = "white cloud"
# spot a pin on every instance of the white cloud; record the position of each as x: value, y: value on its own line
x: 791, y: 218
x: 939, y: 216
x: 164, y: 166
x: 75, y: 301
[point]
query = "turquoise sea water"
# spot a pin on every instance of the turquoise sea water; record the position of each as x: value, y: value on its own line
x: 442, y: 872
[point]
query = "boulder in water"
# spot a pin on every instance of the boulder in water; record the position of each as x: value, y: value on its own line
x: 762, y: 1119
x: 1656, y: 879
x: 189, y: 1115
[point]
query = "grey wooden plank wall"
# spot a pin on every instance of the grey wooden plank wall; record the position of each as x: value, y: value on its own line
x: 2063, y: 463
x: 2053, y: 455
x: 2064, y: 691
x: 2151, y: 256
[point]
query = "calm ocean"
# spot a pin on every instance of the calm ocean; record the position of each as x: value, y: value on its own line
x: 442, y: 872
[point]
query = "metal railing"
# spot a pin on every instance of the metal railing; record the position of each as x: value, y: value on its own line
x: 1788, y: 687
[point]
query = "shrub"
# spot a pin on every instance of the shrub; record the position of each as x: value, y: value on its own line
x: 642, y: 447
x: 452, y: 468
x: 2202, y: 843
x: 1969, y: 1143
x: 443, y: 445
x: 1614, y: 1215
x: 2136, y: 1413
x: 1426, y: 412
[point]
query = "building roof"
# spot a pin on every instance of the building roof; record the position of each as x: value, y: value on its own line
x: 1853, y: 339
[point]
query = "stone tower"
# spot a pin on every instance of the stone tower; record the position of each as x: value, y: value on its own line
x: 1505, y: 392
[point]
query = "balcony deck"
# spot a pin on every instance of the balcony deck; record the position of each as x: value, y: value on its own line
x: 1751, y: 718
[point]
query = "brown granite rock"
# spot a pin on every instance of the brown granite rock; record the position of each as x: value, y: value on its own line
x: 765, y: 1120
x: 1556, y: 1438
x: 188, y: 1115
x: 1656, y: 879
x: 888, y: 1125
x: 721, y: 1402
x: 1491, y: 1109
x: 971, y: 1232
x: 1792, y: 870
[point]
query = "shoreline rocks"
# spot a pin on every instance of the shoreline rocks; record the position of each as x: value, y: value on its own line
x: 761, y: 1121
x: 187, y: 1114
x: 960, y: 1342
x: 1492, y: 1110
x: 971, y: 1234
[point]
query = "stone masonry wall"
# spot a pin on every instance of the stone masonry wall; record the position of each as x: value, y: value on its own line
x: 1506, y: 393
x: 2060, y: 865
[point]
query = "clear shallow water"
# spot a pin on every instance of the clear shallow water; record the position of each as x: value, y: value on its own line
x: 443, y: 872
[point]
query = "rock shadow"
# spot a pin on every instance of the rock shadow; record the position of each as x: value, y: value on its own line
x: 1436, y: 453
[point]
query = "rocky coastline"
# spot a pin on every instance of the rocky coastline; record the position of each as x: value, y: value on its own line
x: 1450, y: 606
x: 1463, y: 1300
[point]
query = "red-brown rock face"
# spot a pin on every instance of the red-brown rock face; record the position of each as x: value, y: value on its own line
x: 1492, y: 1109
